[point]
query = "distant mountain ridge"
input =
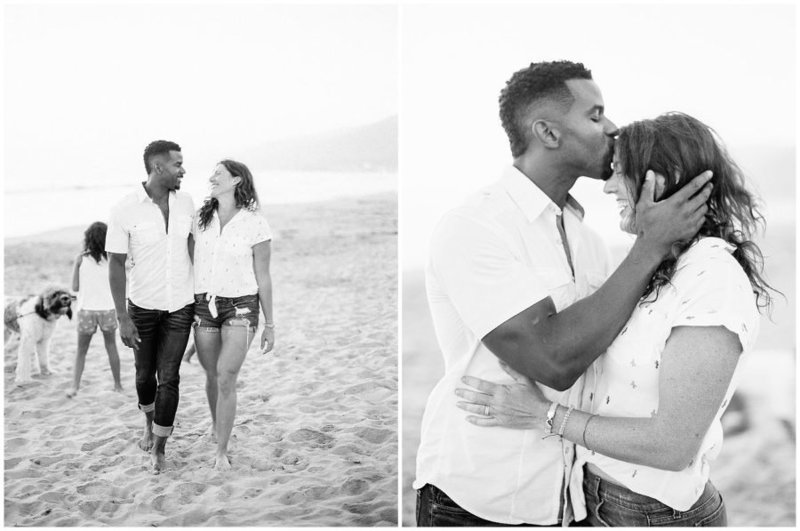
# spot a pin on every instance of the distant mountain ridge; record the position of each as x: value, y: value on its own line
x: 371, y: 147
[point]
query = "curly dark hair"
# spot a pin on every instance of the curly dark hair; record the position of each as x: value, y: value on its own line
x: 680, y: 147
x: 244, y: 193
x: 157, y: 147
x: 94, y: 241
x: 531, y: 85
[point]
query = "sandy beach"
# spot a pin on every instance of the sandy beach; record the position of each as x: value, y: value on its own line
x: 315, y: 438
x: 755, y: 471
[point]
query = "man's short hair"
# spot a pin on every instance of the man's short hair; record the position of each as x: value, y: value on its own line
x: 157, y: 147
x: 539, y: 81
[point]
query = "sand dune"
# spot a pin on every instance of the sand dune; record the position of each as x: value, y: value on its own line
x: 315, y: 438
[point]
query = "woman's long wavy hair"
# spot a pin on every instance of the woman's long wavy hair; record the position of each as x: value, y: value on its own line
x: 244, y: 194
x: 94, y: 241
x: 679, y: 147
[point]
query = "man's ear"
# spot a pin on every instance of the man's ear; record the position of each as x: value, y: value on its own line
x: 547, y: 134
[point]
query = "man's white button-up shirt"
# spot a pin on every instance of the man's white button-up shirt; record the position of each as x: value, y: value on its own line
x: 490, y: 259
x: 160, y: 277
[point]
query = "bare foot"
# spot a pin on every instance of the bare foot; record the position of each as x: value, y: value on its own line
x: 222, y: 463
x: 72, y: 392
x: 118, y: 388
x: 212, y: 432
x: 157, y: 454
x: 158, y: 459
x: 146, y: 442
x: 46, y: 372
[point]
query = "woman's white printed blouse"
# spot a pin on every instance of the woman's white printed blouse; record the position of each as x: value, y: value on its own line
x: 709, y: 288
x: 223, y: 260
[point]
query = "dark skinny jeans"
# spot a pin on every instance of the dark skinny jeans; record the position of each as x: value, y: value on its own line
x: 158, y: 358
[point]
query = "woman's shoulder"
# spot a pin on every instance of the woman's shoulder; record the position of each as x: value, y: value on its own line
x: 709, y: 266
x: 709, y: 253
x: 255, y: 216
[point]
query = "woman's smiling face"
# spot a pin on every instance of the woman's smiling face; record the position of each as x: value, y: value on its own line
x: 222, y: 181
x: 617, y: 184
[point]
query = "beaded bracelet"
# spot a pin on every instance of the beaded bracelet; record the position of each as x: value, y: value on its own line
x: 564, y: 421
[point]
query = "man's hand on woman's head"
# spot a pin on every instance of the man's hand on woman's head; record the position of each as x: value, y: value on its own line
x: 659, y: 224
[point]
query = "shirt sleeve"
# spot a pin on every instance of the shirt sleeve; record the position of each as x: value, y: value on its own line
x: 484, y: 279
x: 261, y: 229
x: 116, y: 234
x: 195, y: 225
x: 715, y: 291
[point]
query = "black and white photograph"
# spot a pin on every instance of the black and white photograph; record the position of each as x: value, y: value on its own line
x: 597, y: 234
x: 214, y: 187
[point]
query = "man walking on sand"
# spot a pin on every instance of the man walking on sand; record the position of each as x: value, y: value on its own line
x: 153, y: 226
x: 515, y: 275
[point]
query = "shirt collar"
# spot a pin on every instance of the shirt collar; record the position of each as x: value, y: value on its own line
x: 141, y: 194
x: 530, y: 199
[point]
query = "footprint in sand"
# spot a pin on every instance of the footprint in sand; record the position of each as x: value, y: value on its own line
x: 318, y: 493
x: 353, y: 486
x: 11, y: 463
x: 49, y: 460
x: 93, y: 445
x: 189, y: 491
x: 312, y: 438
x: 294, y: 462
x: 93, y: 488
x: 375, y: 435
x: 106, y: 464
x: 251, y: 493
x: 16, y: 443
x: 291, y: 498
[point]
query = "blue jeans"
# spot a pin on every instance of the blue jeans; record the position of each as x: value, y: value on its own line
x: 158, y: 358
x: 611, y: 505
x: 436, y: 509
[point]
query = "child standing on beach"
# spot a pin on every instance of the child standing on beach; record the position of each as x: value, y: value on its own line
x: 95, y: 305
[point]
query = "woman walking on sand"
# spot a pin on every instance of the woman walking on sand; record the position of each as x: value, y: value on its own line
x: 232, y: 279
x: 95, y: 305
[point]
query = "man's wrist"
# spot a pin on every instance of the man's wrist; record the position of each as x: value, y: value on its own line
x: 647, y: 253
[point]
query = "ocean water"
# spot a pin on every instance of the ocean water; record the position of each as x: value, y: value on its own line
x: 35, y: 209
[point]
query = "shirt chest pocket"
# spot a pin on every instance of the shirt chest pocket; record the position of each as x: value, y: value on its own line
x: 146, y: 233
x: 559, y: 285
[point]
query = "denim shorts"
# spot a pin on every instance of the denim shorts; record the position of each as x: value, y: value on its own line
x: 89, y: 320
x: 231, y: 311
x: 612, y: 505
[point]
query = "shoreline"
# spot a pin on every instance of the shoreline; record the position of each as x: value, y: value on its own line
x: 58, y: 234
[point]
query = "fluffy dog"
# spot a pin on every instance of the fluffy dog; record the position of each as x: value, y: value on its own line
x: 34, y: 319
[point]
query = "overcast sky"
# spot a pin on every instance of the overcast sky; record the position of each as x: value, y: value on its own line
x: 88, y: 86
x: 732, y: 66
